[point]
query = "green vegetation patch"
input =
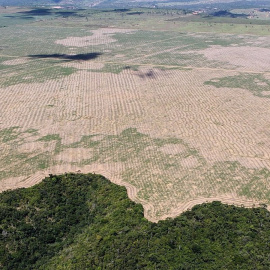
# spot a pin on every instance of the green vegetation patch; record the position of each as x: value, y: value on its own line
x: 129, y: 146
x: 38, y: 162
x: 50, y: 137
x: 111, y: 68
x: 30, y: 161
x: 53, y: 137
x: 171, y: 170
x: 9, y: 134
x: 37, y: 75
x: 257, y: 84
x: 161, y: 169
x: 32, y: 131
x: 227, y: 176
x: 77, y: 221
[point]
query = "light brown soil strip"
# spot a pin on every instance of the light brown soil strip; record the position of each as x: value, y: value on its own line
x: 15, y: 62
x: 230, y: 200
x: 20, y: 182
x: 28, y: 181
x: 100, y: 36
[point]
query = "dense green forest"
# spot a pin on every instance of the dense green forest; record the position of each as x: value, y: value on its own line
x: 77, y: 221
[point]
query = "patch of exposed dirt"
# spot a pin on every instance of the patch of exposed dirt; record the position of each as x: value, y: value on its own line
x: 17, y: 61
x: 265, y: 93
x: 84, y: 65
x: 97, y: 138
x: 172, y: 149
x: 190, y: 162
x: 36, y: 146
x: 74, y: 155
x: 231, y: 199
x: 247, y: 58
x: 98, y: 37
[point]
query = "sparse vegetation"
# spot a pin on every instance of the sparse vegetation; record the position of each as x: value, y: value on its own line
x: 257, y: 84
x: 50, y: 137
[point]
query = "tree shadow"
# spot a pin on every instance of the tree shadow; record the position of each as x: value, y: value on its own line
x: 72, y: 57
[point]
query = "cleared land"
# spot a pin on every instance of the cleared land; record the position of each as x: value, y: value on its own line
x: 179, y: 117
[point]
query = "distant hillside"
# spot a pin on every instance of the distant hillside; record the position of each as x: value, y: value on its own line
x: 28, y: 2
x: 222, y: 4
x: 77, y: 221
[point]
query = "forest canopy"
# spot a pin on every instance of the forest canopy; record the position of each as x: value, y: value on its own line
x: 77, y: 221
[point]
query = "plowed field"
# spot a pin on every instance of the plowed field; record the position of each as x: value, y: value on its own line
x: 179, y: 118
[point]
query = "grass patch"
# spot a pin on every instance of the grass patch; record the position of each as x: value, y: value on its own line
x: 161, y: 169
x: 50, y: 137
x: 39, y: 162
x: 255, y: 83
x: 111, y: 68
x: 53, y: 137
x: 38, y: 76
x: 31, y: 131
x: 9, y: 134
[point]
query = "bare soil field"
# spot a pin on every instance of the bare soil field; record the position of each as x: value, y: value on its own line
x: 177, y: 120
x: 241, y: 57
x: 98, y: 37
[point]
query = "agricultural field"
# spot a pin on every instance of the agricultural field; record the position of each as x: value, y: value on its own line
x: 175, y: 107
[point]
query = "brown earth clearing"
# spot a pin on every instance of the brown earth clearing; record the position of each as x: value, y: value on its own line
x: 177, y: 119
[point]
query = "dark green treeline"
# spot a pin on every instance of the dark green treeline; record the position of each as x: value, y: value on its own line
x: 77, y: 221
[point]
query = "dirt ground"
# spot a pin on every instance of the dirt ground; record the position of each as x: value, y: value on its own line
x: 172, y: 139
x: 98, y: 37
x: 218, y: 123
x: 244, y: 57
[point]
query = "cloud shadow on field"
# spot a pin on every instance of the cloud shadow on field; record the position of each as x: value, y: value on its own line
x: 117, y: 10
x: 48, y: 12
x: 146, y: 75
x: 135, y: 13
x: 150, y: 74
x: 72, y: 57
x: 225, y: 13
x: 37, y: 12
x: 20, y: 17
